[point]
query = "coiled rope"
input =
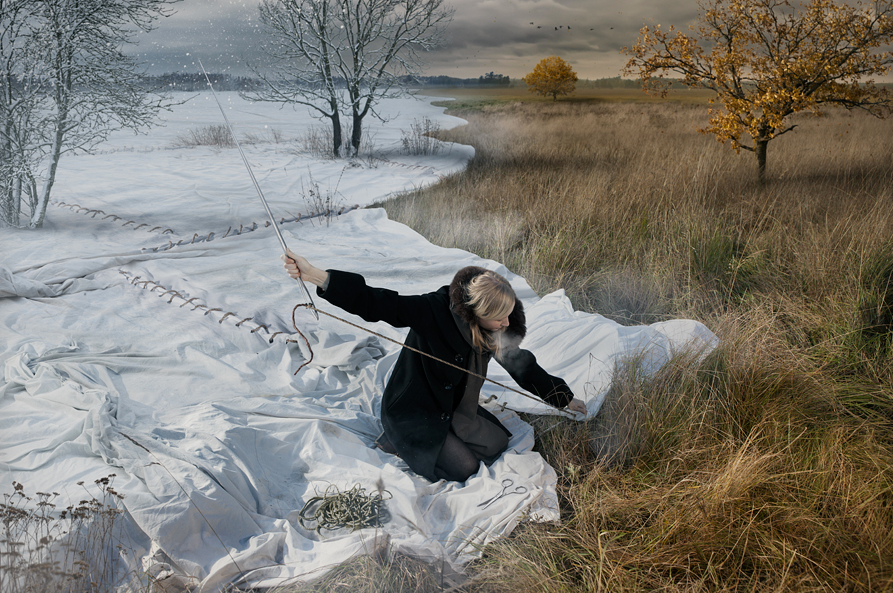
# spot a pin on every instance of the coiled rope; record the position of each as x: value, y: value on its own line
x: 352, y: 508
x: 431, y: 356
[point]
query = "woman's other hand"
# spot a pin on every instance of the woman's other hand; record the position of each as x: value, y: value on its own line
x: 577, y: 406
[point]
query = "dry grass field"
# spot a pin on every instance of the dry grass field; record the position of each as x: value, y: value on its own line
x: 767, y: 465
x: 475, y: 98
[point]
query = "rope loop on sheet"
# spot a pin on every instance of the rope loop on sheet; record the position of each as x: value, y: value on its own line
x: 352, y: 508
x: 77, y: 208
x: 431, y: 356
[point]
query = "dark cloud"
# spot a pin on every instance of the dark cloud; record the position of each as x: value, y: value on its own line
x: 493, y: 35
x: 589, y: 34
x: 223, y: 34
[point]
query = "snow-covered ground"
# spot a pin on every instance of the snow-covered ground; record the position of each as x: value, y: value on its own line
x: 146, y: 331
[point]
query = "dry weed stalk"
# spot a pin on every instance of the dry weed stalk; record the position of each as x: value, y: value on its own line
x: 421, y: 139
x: 76, y: 549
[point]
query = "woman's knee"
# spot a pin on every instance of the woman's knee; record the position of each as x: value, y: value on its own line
x: 456, y: 462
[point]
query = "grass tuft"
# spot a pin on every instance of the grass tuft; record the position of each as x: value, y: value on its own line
x: 368, y: 574
x: 211, y: 135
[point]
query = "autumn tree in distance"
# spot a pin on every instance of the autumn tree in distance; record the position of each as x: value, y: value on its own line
x: 552, y: 77
x: 767, y: 60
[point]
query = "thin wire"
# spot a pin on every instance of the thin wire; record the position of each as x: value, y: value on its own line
x: 431, y: 356
x: 351, y: 508
x: 211, y: 527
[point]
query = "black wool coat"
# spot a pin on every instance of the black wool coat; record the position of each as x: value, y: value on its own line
x: 421, y: 395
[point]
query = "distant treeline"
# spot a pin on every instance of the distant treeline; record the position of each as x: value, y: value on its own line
x: 500, y: 80
x: 195, y: 81
x: 609, y: 83
x: 490, y: 79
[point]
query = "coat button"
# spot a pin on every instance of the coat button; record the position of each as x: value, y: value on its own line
x: 447, y: 386
x: 459, y: 359
x: 444, y: 416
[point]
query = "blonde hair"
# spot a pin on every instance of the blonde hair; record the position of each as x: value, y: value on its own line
x: 490, y: 296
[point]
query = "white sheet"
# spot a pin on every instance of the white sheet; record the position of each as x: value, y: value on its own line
x: 173, y: 366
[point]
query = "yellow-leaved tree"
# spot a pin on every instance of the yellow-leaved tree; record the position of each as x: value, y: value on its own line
x: 552, y: 77
x: 768, y: 59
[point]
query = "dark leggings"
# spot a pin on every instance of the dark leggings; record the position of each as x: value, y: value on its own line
x: 456, y: 461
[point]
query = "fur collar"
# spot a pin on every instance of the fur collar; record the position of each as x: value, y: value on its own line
x: 517, y: 328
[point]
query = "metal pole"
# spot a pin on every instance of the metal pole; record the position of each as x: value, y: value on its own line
x: 260, y: 194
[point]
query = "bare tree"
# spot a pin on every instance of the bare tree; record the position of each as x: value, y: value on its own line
x: 21, y: 131
x: 301, y: 47
x: 346, y: 54
x: 66, y: 85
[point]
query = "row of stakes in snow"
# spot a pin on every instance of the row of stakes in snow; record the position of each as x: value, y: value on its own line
x: 94, y: 211
x: 254, y: 226
x: 137, y: 281
x: 195, y: 237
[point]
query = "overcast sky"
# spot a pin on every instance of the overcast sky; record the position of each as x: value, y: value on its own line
x: 485, y: 36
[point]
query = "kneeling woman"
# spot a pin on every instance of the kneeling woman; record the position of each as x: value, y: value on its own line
x: 430, y: 410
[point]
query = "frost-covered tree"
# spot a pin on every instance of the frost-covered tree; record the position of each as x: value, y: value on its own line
x: 300, y: 45
x: 334, y: 55
x: 64, y: 86
x: 21, y: 131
